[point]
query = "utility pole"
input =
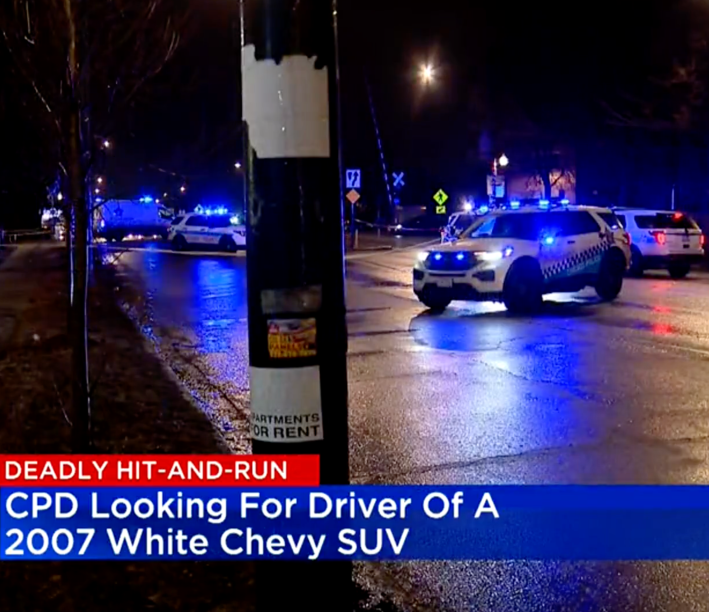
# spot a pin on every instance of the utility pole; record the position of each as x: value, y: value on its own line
x: 295, y: 265
x: 385, y: 172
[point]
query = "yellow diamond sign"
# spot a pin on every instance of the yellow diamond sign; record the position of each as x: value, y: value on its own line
x: 352, y: 196
x: 440, y: 197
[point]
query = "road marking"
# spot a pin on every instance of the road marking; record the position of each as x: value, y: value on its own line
x: 171, y: 252
x: 413, y: 247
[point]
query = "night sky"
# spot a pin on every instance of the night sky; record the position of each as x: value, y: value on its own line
x: 549, y: 64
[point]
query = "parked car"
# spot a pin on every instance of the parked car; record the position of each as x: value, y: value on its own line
x: 662, y: 240
x: 196, y: 230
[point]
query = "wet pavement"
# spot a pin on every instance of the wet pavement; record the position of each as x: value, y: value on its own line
x: 584, y: 393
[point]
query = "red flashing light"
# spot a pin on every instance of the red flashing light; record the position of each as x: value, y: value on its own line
x: 702, y: 240
x: 677, y: 216
x: 660, y: 237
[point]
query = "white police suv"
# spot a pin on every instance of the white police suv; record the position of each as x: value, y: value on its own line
x: 662, y: 240
x: 518, y: 254
x: 207, y: 230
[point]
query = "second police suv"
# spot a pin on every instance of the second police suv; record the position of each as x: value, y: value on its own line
x: 519, y: 253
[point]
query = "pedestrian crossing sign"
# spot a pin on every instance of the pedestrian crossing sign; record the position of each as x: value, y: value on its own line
x: 440, y: 210
x: 440, y: 197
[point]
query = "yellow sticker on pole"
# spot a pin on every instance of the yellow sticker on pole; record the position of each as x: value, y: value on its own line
x: 292, y: 338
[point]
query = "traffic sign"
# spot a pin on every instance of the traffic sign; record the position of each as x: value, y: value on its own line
x: 440, y: 209
x: 398, y: 179
x: 440, y: 197
x: 353, y: 179
x: 352, y: 196
x: 496, y: 186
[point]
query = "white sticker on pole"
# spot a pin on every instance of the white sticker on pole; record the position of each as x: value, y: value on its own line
x: 285, y: 106
x: 286, y: 406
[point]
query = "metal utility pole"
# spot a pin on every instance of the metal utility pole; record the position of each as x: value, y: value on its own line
x: 295, y: 265
x: 385, y: 172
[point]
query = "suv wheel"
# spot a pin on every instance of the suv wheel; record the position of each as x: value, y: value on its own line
x: 636, y: 262
x: 179, y: 243
x: 524, y: 287
x: 435, y: 300
x: 227, y: 244
x: 610, y: 277
x: 678, y: 270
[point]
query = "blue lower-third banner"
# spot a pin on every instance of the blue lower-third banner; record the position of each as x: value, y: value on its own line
x: 357, y: 522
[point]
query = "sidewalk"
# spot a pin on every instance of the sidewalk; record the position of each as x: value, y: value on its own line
x: 138, y: 407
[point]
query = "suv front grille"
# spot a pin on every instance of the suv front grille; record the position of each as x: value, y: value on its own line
x: 453, y: 262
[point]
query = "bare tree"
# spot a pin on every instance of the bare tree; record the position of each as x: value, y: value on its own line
x: 83, y: 62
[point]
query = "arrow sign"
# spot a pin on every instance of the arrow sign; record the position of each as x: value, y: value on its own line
x: 399, y: 179
x: 353, y: 178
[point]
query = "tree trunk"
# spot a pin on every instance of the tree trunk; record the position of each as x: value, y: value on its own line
x: 70, y: 265
x: 546, y: 181
x: 81, y: 402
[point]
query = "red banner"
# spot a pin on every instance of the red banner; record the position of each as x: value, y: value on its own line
x: 159, y: 470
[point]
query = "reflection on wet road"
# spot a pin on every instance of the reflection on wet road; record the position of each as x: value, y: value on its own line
x: 584, y: 393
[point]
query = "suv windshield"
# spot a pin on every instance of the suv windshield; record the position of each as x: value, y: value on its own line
x: 666, y: 221
x: 177, y: 220
x: 530, y: 226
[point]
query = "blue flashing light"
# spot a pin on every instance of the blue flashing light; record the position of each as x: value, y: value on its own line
x: 565, y: 201
x: 514, y: 205
x: 198, y: 209
x: 549, y: 240
x: 103, y: 223
x: 543, y: 203
x: 438, y: 257
x: 146, y: 199
x: 460, y: 256
x: 234, y: 220
x: 483, y: 209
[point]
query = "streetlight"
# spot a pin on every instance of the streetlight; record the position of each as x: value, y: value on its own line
x: 60, y: 196
x: 183, y: 189
x: 99, y: 180
x: 426, y: 74
x: 503, y: 160
x: 97, y: 190
x: 237, y: 165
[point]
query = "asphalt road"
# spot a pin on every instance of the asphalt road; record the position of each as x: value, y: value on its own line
x: 585, y: 393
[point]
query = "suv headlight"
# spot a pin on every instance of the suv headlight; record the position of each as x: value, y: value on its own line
x: 423, y: 256
x: 495, y: 255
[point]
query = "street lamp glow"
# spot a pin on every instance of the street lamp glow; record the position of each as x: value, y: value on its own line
x: 97, y: 190
x: 99, y: 180
x: 60, y: 196
x: 504, y: 161
x: 183, y: 189
x: 106, y: 144
x: 426, y: 74
x: 237, y: 165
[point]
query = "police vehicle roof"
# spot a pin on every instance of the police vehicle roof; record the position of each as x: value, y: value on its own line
x: 538, y: 209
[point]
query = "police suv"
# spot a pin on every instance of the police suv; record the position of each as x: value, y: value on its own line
x: 517, y: 254
x: 207, y: 230
x: 661, y: 239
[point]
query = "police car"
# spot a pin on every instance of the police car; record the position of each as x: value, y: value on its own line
x: 519, y: 253
x: 207, y: 230
x: 662, y: 240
